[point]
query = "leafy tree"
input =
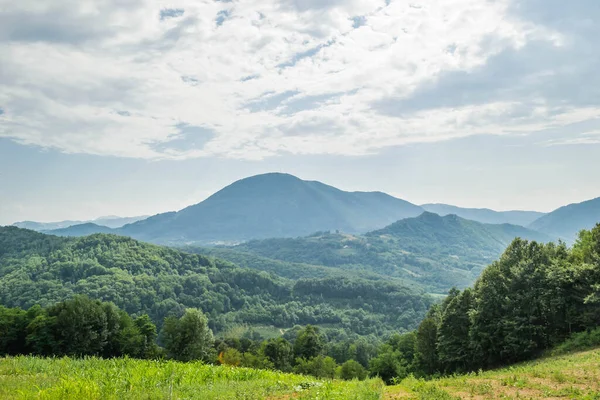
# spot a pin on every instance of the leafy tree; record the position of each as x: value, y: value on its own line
x: 187, y: 338
x: 426, y: 355
x: 231, y: 357
x: 352, y: 370
x: 453, y: 343
x: 388, y: 365
x: 13, y: 325
x: 309, y: 343
x: 280, y: 352
x: 319, y: 366
x: 82, y: 327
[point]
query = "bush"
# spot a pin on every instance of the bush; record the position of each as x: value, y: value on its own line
x: 352, y: 370
x: 578, y: 342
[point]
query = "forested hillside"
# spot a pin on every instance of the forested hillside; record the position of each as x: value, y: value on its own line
x: 435, y: 252
x: 143, y: 278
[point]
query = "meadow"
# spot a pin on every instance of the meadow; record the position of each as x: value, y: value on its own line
x: 570, y: 376
x: 27, y: 377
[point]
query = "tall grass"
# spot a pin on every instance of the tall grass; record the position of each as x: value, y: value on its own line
x: 93, y: 378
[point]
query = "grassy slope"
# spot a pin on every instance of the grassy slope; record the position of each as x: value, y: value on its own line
x: 571, y: 376
x: 92, y: 378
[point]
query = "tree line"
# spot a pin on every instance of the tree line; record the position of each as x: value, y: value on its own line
x: 530, y: 300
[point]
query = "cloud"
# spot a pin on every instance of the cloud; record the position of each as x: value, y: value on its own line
x: 254, y: 79
x: 167, y: 13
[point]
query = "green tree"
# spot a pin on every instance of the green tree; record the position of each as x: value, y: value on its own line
x: 352, y: 370
x: 454, y: 348
x: 81, y: 326
x: 280, y: 352
x: 13, y: 331
x: 319, y: 366
x: 426, y: 355
x: 388, y: 365
x: 308, y: 343
x: 189, y: 337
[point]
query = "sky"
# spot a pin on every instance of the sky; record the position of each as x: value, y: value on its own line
x: 134, y: 107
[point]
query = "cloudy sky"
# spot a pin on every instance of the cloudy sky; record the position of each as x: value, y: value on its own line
x: 135, y: 107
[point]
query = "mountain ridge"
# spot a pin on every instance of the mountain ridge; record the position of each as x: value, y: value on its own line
x: 485, y: 215
x: 566, y: 222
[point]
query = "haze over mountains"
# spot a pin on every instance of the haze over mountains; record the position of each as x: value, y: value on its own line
x: 110, y: 221
x: 485, y: 215
x: 279, y: 205
x: 432, y: 251
x: 567, y: 221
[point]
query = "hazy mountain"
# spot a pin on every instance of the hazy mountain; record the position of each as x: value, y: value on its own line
x: 108, y: 221
x: 433, y: 251
x: 272, y: 205
x: 80, y: 230
x: 567, y: 221
x: 485, y: 215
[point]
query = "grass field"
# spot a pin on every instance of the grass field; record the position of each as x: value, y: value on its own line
x: 92, y: 378
x: 571, y: 376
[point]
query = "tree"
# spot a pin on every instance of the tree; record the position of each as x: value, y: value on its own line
x: 147, y: 330
x: 280, y: 352
x: 319, y: 366
x: 453, y: 345
x: 81, y: 326
x: 308, y: 343
x: 388, y: 365
x: 426, y: 356
x: 352, y: 370
x: 13, y: 325
x: 187, y: 338
x: 231, y: 357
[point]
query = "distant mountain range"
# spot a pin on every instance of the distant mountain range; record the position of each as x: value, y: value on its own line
x: 280, y: 205
x: 485, y: 215
x: 433, y: 251
x: 108, y: 221
x: 567, y: 221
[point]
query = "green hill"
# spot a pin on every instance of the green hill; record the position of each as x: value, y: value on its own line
x: 567, y: 221
x: 485, y: 215
x: 144, y: 278
x: 571, y: 376
x: 433, y: 251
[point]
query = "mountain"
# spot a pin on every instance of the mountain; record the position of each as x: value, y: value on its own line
x: 108, y: 221
x: 272, y: 205
x: 567, y: 221
x: 429, y: 250
x: 80, y: 230
x: 160, y: 281
x: 485, y: 215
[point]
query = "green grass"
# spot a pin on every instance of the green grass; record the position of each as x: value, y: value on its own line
x: 570, y: 376
x: 93, y: 378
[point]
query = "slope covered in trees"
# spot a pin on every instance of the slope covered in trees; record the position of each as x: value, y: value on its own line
x: 143, y: 278
x: 530, y: 300
x: 432, y: 251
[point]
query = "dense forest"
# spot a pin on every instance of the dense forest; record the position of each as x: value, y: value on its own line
x: 146, y: 279
x: 434, y: 252
x: 532, y: 299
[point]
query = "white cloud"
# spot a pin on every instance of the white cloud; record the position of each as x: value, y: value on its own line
x: 118, y: 77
